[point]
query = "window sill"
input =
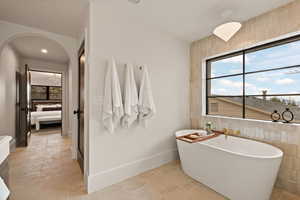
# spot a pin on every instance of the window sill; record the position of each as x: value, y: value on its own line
x: 251, y: 120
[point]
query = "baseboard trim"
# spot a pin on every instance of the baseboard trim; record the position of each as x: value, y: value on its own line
x: 109, y: 177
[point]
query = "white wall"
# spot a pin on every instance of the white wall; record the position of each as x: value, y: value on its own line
x: 9, y: 31
x: 42, y: 65
x: 127, y: 152
x: 9, y: 63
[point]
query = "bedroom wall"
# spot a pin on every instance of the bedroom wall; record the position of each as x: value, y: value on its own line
x: 9, y: 64
x: 49, y: 79
x: 136, y: 149
x: 279, y: 23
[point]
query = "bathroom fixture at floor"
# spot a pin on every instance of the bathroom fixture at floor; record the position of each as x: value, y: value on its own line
x: 227, y: 30
x: 234, y: 167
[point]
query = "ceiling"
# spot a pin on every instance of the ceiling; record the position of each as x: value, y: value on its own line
x: 30, y: 47
x: 58, y: 16
x: 186, y: 19
x: 194, y: 19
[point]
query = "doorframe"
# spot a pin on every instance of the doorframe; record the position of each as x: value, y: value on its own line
x: 65, y: 93
x: 81, y: 51
x: 24, y: 109
x: 70, y: 47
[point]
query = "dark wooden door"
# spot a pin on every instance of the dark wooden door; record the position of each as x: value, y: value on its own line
x: 25, y: 104
x: 28, y: 99
x: 18, y: 107
x: 80, y: 111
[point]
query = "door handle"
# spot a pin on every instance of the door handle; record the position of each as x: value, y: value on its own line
x: 25, y: 109
x: 76, y: 112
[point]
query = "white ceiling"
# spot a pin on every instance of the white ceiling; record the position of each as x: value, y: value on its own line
x: 186, y: 19
x: 30, y: 47
x: 58, y: 16
x: 194, y: 19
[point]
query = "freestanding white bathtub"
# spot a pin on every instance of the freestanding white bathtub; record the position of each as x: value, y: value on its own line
x: 239, y: 169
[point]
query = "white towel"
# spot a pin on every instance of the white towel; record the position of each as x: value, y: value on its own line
x: 4, y: 192
x: 112, y: 102
x: 130, y: 97
x: 146, y: 104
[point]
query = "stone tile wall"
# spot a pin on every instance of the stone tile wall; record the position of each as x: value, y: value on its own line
x: 278, y: 22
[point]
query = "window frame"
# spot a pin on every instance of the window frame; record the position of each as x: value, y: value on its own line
x: 243, y: 53
x: 47, y: 93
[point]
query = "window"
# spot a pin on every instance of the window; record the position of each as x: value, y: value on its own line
x: 46, y: 92
x: 55, y: 93
x: 38, y: 92
x: 254, y: 82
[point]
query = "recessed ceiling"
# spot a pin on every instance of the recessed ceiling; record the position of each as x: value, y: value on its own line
x: 194, y: 19
x: 31, y: 46
x: 58, y: 16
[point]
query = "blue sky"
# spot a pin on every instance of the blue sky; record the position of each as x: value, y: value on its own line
x: 279, y: 81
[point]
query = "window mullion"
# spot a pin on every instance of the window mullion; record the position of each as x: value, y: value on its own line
x: 244, y: 98
x: 206, y: 88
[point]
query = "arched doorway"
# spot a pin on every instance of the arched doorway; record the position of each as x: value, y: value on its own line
x: 70, y: 47
x: 51, y: 156
x: 45, y: 60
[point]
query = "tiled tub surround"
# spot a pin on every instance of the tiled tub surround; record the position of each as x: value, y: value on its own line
x: 284, y: 136
x: 274, y: 24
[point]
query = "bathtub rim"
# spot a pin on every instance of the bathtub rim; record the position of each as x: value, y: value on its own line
x: 277, y: 156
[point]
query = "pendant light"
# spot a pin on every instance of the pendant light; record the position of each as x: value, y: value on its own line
x: 227, y: 30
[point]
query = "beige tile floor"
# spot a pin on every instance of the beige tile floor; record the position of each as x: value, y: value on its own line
x: 45, y: 171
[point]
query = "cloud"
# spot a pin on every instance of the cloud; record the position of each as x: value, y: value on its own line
x: 285, y: 81
x: 236, y: 84
x: 219, y: 91
x: 293, y: 71
x: 279, y: 60
x: 227, y: 87
x: 235, y: 71
x: 236, y: 88
x: 236, y: 59
x: 262, y: 79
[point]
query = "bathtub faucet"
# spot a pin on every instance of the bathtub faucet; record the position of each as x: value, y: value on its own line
x: 226, y: 132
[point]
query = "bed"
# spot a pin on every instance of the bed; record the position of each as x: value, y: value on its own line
x: 44, y: 116
x: 46, y: 105
x: 49, y: 107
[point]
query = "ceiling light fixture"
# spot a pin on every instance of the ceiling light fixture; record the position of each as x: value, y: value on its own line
x: 44, y: 51
x: 227, y: 30
x: 135, y: 1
